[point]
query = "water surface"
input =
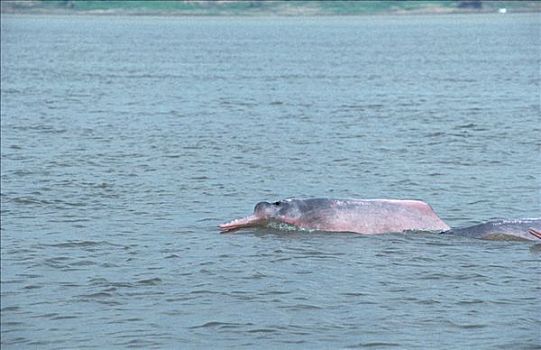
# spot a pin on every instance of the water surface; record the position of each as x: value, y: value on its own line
x: 126, y: 140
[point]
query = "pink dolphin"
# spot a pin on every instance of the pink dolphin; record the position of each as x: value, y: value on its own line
x: 366, y: 216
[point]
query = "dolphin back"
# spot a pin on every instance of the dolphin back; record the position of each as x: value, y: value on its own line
x: 520, y: 229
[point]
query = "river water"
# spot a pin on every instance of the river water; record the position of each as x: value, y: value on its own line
x: 125, y: 141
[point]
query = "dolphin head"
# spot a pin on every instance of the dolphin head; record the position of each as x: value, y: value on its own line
x: 286, y: 211
x: 268, y: 210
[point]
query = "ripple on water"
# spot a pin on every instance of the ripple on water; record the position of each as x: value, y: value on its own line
x: 221, y: 325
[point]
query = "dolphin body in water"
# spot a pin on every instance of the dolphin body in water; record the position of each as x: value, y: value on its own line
x: 374, y: 216
x: 367, y: 216
x: 523, y: 229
